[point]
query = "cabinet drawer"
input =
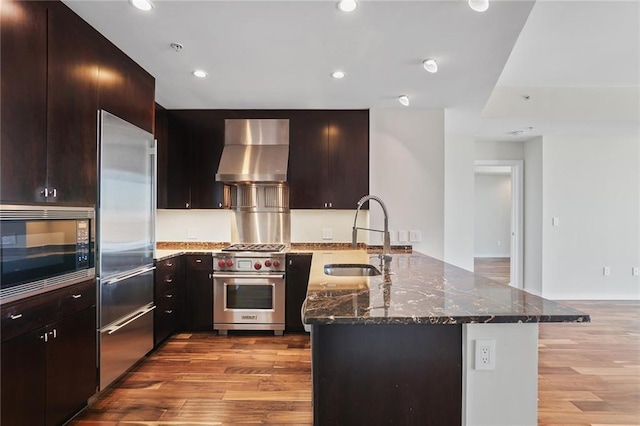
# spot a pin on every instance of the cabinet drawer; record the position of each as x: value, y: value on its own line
x: 168, y: 266
x: 166, y: 283
x: 197, y: 262
x: 167, y: 297
x: 78, y: 297
x: 28, y: 314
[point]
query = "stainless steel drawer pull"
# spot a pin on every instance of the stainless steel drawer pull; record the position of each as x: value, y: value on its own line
x: 169, y: 280
x: 15, y: 317
x: 170, y: 311
x: 55, y: 333
x: 169, y: 296
x: 198, y: 260
x: 76, y: 296
x: 45, y: 337
x: 169, y: 264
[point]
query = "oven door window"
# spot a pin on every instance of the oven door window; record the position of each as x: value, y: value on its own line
x: 241, y: 296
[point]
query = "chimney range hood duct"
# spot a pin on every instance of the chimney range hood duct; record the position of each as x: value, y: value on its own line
x: 254, y: 151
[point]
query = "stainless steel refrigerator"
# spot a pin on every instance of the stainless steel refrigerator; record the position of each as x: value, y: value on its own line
x: 125, y: 243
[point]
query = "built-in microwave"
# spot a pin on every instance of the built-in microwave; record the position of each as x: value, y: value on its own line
x: 44, y: 248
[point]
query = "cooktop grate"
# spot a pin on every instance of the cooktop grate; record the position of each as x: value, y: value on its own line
x: 255, y: 247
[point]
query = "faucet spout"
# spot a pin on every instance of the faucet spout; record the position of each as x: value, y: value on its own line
x: 386, y: 248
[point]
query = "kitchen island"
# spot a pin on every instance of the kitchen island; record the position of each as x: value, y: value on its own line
x: 398, y: 348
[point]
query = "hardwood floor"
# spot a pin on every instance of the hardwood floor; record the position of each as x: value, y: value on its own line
x: 496, y: 268
x: 589, y: 374
x: 206, y: 379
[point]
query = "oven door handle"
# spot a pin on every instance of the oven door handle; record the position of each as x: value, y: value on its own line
x: 243, y: 276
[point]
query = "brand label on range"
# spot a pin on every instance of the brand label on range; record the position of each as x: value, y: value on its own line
x: 249, y: 317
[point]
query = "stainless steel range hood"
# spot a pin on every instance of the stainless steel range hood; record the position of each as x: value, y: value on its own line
x: 254, y: 151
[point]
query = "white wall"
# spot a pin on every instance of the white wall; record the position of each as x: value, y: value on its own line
x: 533, y: 217
x: 507, y: 395
x: 458, y: 204
x: 492, y: 214
x: 591, y: 185
x: 493, y: 150
x: 215, y: 225
x: 406, y: 169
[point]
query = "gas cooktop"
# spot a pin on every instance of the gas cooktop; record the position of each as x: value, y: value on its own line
x: 262, y: 248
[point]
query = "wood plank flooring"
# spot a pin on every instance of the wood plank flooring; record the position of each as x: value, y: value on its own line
x: 496, y: 268
x: 589, y: 374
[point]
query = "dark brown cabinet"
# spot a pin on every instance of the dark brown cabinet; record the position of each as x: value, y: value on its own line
x: 49, y: 350
x: 329, y: 159
x: 199, y: 292
x: 297, y: 274
x: 328, y: 156
x: 23, y: 122
x: 169, y: 298
x: 189, y: 159
x: 57, y: 71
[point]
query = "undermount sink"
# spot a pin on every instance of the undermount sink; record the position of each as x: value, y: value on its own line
x: 351, y: 270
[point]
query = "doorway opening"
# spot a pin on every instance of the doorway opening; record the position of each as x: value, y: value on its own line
x: 499, y: 220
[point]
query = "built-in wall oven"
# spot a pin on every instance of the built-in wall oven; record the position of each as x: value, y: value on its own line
x: 43, y: 248
x: 249, y: 288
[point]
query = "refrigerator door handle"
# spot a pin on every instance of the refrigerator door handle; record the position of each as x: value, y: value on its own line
x: 126, y: 277
x: 117, y: 327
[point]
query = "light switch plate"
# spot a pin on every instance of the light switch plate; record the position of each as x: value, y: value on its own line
x: 403, y: 236
x: 415, y: 236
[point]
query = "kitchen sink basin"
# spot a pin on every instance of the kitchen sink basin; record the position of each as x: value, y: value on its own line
x: 351, y: 270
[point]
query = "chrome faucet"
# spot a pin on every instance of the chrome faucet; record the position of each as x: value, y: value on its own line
x: 386, y: 249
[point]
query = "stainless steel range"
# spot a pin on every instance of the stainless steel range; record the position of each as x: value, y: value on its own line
x: 249, y: 288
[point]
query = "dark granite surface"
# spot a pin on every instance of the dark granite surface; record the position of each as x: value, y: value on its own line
x: 420, y: 290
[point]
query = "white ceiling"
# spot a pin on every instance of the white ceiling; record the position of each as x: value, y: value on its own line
x: 280, y: 54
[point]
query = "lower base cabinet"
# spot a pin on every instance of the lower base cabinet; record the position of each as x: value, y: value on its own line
x: 198, y: 293
x: 49, y: 372
x: 297, y: 273
x: 169, y: 297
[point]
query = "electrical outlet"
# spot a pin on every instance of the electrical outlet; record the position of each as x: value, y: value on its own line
x: 415, y: 236
x: 606, y: 271
x: 635, y: 271
x: 192, y: 233
x: 403, y: 236
x: 485, y: 355
x: 327, y: 234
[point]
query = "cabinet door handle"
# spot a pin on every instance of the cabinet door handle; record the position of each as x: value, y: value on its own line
x: 169, y: 296
x: 330, y: 205
x: 15, y: 317
x: 186, y: 205
x: 170, y: 311
x: 54, y: 193
x: 53, y: 333
x: 198, y: 260
x: 76, y: 296
x: 169, y: 280
x: 169, y: 264
x: 220, y: 205
x: 45, y: 337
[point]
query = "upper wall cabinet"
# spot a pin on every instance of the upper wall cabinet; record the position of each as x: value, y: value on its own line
x: 329, y: 159
x: 23, y: 122
x: 328, y: 156
x: 60, y: 73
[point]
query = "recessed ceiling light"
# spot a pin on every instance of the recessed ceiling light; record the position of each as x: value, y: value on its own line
x: 200, y: 73
x: 338, y: 74
x: 479, y: 5
x: 404, y: 100
x: 145, y: 5
x: 430, y: 65
x: 348, y: 5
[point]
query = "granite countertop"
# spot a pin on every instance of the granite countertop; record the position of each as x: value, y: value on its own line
x: 420, y: 290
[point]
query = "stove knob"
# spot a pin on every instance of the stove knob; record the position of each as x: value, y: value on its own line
x: 267, y: 263
x: 276, y: 263
x: 257, y: 265
x: 221, y: 263
x: 229, y: 263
